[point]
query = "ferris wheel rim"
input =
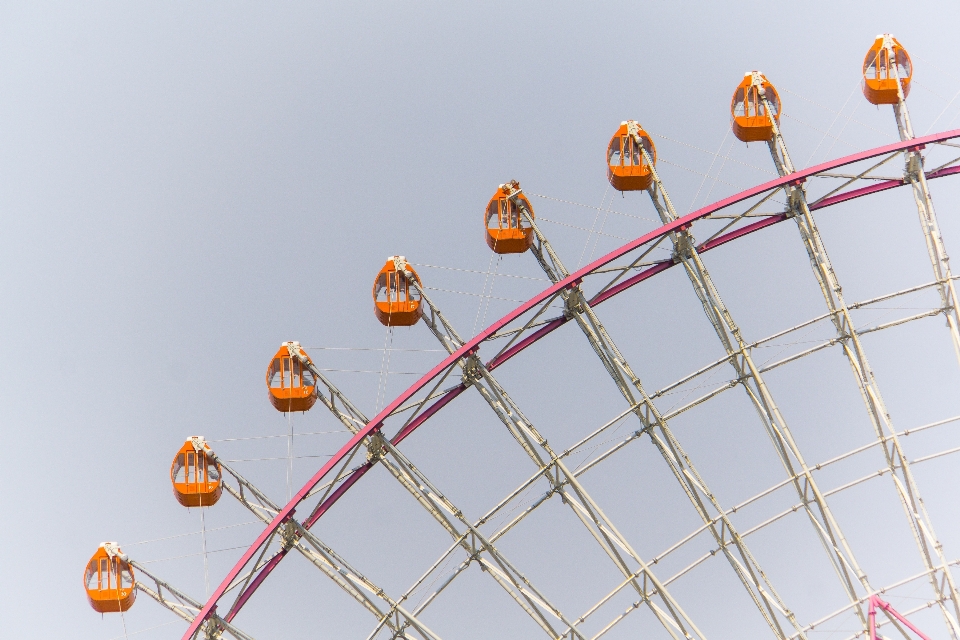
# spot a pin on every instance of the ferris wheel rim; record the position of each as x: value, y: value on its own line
x: 574, y: 279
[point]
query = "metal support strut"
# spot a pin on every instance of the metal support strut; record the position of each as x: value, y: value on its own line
x: 651, y: 590
x: 754, y: 579
x: 931, y: 550
x: 177, y: 601
x: 748, y: 374
x: 466, y: 535
x: 295, y: 536
x: 914, y: 175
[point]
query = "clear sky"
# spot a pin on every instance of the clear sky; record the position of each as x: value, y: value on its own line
x: 184, y: 186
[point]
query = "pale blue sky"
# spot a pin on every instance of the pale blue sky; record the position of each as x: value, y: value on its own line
x: 184, y: 186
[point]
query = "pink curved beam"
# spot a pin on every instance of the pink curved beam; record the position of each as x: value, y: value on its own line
x: 875, y: 603
x: 569, y: 282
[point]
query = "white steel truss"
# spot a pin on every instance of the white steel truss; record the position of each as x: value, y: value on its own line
x: 737, y: 508
x: 583, y: 468
x: 913, y: 174
x: 748, y: 375
x: 751, y: 575
x: 931, y: 550
x: 177, y: 601
x: 550, y: 466
x: 295, y: 536
x: 729, y: 384
x: 470, y: 539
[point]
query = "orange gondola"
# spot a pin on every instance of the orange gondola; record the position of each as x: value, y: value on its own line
x: 395, y: 302
x: 291, y: 385
x: 194, y: 474
x: 627, y: 169
x: 506, y: 229
x: 885, y: 63
x: 109, y: 580
x: 751, y: 122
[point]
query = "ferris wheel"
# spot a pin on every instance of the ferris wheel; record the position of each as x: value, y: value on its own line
x: 805, y: 496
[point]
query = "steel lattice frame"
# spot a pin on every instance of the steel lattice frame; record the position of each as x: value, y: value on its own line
x: 524, y: 326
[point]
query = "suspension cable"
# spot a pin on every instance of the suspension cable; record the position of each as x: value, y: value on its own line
x: 586, y: 206
x: 384, y: 365
x: 593, y: 225
x: 486, y: 307
x: 817, y: 104
x: 712, y: 162
x: 203, y: 538
x: 493, y: 266
x: 835, y: 118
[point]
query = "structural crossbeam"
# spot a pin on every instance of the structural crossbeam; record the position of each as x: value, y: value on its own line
x: 466, y: 535
x: 564, y: 482
x: 748, y: 375
x: 931, y: 550
x: 183, y: 605
x: 295, y: 536
x: 914, y: 174
x: 748, y: 571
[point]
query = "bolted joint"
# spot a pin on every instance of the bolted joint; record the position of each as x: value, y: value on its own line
x: 684, y: 246
x: 288, y: 535
x: 573, y: 304
x: 296, y: 351
x: 471, y: 370
x: 113, y: 550
x: 212, y: 630
x: 200, y: 446
x: 795, y: 199
x: 376, y: 447
x: 914, y: 166
x: 556, y: 487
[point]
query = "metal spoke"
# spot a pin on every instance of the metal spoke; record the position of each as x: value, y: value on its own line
x: 922, y: 528
x: 750, y: 378
x: 748, y: 570
x: 913, y: 173
x: 476, y: 374
x: 179, y: 602
x: 295, y: 536
x: 383, y: 451
x: 773, y: 519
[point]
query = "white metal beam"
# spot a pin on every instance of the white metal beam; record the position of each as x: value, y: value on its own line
x: 613, y: 543
x: 931, y: 550
x: 748, y: 570
x: 748, y: 374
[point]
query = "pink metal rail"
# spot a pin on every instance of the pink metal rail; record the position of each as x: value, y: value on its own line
x: 875, y: 603
x: 569, y: 282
